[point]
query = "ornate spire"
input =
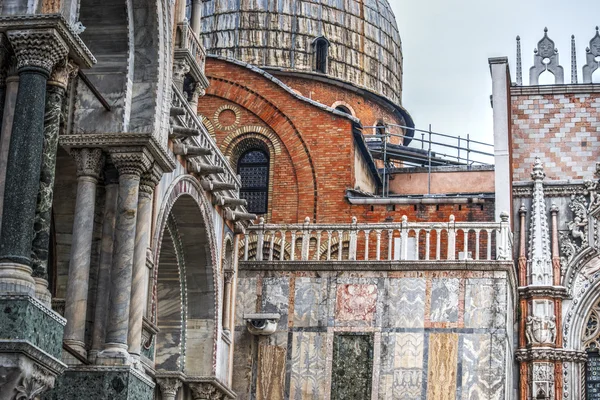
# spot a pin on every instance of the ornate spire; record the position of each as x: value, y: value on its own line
x: 545, y: 58
x: 519, y: 67
x: 591, y: 54
x: 539, y: 261
x: 573, y: 60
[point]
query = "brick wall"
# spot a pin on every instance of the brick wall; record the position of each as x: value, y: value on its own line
x: 561, y: 129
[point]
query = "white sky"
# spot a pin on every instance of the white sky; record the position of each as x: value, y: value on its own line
x: 446, y: 45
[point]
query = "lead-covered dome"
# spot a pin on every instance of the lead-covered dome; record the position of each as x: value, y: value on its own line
x: 360, y: 38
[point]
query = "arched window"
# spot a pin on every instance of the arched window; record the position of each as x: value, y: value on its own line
x: 253, y: 167
x: 321, y: 54
x: 343, y: 109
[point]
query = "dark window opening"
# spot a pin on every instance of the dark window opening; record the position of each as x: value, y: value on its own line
x: 380, y: 129
x: 343, y: 109
x: 321, y: 50
x: 253, y: 167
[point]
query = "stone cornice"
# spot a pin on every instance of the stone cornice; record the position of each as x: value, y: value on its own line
x: 550, y: 354
x: 26, y: 348
x: 553, y: 89
x: 551, y: 189
x: 106, y: 141
x: 556, y: 292
x: 78, y: 51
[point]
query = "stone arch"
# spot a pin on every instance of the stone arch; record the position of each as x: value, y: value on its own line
x: 185, y: 220
x: 343, y: 104
x: 287, y: 132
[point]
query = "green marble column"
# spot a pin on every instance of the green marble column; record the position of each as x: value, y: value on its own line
x: 55, y: 93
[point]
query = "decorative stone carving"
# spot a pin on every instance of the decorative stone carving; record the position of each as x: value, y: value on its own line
x: 62, y: 73
x: 34, y: 384
x: 539, y: 263
x: 41, y: 48
x: 89, y: 162
x: 150, y: 179
x: 205, y: 391
x: 543, y: 381
x: 545, y: 59
x: 130, y: 161
x: 592, y: 57
x: 540, y: 330
x: 169, y: 387
x: 180, y: 69
x: 228, y: 275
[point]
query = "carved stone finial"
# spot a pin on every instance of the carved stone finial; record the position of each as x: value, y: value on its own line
x: 538, y: 173
x: 519, y: 65
x: 89, y: 162
x: 546, y: 59
x: 38, y: 48
x: 522, y: 209
x: 307, y: 220
x: 573, y: 60
x: 554, y: 208
x: 592, y: 58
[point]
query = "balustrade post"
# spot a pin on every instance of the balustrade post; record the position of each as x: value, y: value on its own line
x: 451, y: 239
x: 246, y: 245
x: 417, y: 233
x: 390, y: 237
x: 367, y: 232
x: 477, y: 231
x: 427, y: 243
x: 503, y: 245
x: 489, y: 244
x: 282, y: 246
x: 260, y: 239
x: 340, y: 244
x: 404, y: 238
x: 318, y: 251
x: 271, y: 244
x: 293, y: 254
x: 378, y: 253
x: 353, y: 238
x: 329, y: 233
x: 305, y: 239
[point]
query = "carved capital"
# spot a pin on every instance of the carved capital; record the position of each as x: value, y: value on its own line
x: 205, y: 391
x: 180, y: 68
x: 169, y: 387
x: 228, y: 275
x: 38, y: 48
x: 150, y: 179
x: 62, y: 73
x: 111, y: 175
x: 89, y: 162
x: 130, y: 161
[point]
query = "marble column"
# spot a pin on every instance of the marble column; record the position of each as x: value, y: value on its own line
x: 196, y: 16
x: 139, y: 283
x: 12, y: 88
x: 111, y: 184
x: 227, y: 279
x: 130, y: 164
x: 197, y: 92
x: 55, y: 92
x: 37, y: 51
x: 168, y: 387
x: 89, y: 164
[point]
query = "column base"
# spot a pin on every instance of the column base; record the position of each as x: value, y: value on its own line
x: 77, y: 346
x: 16, y: 279
x: 114, y: 354
x: 101, y: 383
x: 42, y: 293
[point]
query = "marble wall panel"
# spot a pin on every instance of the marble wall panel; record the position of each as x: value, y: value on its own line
x: 275, y: 297
x: 356, y: 303
x: 482, y: 368
x: 352, y: 368
x: 401, y: 375
x: 308, y: 363
x: 444, y: 300
x: 270, y: 380
x: 242, y: 364
x: 442, y: 366
x: 245, y: 301
x: 405, y: 305
x: 485, y: 303
x: 199, y: 347
x: 310, y: 306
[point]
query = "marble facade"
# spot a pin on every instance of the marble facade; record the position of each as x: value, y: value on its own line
x: 433, y: 334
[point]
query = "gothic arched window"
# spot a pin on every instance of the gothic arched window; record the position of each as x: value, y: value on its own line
x: 321, y: 54
x: 253, y: 167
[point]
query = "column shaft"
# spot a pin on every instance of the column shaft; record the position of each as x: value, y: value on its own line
x: 111, y: 181
x: 12, y: 88
x: 22, y: 181
x: 88, y: 167
x: 196, y: 16
x: 228, y: 277
x: 43, y: 214
x: 139, y: 284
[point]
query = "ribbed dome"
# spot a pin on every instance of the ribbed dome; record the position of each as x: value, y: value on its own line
x: 364, y: 50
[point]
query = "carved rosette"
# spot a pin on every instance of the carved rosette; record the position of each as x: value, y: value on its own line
x: 133, y: 162
x: 169, y: 387
x: 89, y: 162
x: 38, y: 48
x: 150, y: 179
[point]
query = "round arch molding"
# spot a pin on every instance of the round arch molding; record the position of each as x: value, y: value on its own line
x: 288, y: 134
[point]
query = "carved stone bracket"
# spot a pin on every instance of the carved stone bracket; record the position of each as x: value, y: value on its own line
x: 550, y: 354
x: 38, y: 48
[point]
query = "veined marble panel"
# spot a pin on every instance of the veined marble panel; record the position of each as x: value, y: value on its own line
x: 482, y: 368
x: 309, y: 358
x: 442, y: 366
x: 275, y: 298
x: 310, y: 307
x: 245, y: 302
x: 270, y: 380
x: 401, y: 375
x: 444, y: 300
x: 356, y: 303
x: 485, y: 303
x: 199, y: 347
x: 405, y: 303
x: 242, y: 364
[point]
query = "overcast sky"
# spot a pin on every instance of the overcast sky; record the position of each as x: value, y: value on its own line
x: 447, y: 43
